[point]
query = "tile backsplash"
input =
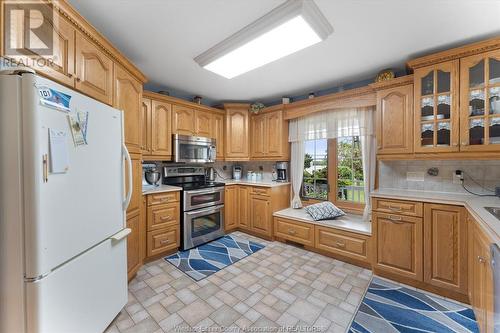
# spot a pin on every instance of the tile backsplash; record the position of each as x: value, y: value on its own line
x: 407, y: 175
x: 266, y: 167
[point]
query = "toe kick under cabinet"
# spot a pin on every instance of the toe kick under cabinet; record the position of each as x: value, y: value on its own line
x: 162, y: 223
x: 423, y: 244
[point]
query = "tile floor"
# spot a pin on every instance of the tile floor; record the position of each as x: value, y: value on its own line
x: 281, y: 285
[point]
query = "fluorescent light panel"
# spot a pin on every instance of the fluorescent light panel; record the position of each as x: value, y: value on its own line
x: 289, y: 28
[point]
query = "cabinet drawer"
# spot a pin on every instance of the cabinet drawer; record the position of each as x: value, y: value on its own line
x: 302, y: 233
x: 162, y: 240
x: 408, y: 208
x: 161, y: 216
x: 342, y: 243
x: 162, y: 198
x: 261, y: 190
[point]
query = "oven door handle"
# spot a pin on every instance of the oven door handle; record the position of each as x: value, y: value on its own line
x: 204, y: 211
x: 206, y: 190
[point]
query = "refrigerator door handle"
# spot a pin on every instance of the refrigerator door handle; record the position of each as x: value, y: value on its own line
x: 121, y: 234
x: 129, y: 177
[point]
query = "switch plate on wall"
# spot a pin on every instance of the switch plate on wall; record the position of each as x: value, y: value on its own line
x: 415, y: 176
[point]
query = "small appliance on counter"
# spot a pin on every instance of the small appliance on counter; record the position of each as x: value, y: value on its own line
x: 151, y: 176
x: 210, y: 174
x: 282, y: 171
x: 237, y: 172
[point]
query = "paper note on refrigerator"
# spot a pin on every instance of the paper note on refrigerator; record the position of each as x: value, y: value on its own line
x: 78, y: 126
x: 58, y: 151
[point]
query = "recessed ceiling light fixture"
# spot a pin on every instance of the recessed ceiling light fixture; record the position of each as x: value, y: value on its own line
x: 288, y: 28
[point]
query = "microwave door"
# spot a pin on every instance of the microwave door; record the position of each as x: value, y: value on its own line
x: 192, y: 152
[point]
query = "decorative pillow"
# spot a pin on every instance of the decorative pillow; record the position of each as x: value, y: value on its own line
x: 324, y: 211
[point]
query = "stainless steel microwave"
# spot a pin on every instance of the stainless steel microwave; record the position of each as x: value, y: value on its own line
x: 194, y: 149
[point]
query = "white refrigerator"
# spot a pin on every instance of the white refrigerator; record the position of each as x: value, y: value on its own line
x: 63, y: 265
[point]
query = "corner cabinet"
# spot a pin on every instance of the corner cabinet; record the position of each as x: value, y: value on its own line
x: 481, y: 278
x: 436, y: 108
x: 394, y: 116
x: 445, y: 247
x: 269, y: 136
x: 480, y: 102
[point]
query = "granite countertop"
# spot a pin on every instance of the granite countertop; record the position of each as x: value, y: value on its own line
x: 263, y: 183
x: 348, y: 222
x: 150, y: 189
x: 474, y: 204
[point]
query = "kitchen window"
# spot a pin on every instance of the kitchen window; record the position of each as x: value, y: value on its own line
x: 333, y: 170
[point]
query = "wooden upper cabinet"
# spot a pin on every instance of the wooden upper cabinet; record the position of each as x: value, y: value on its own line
x: 394, y: 118
x: 277, y: 138
x: 218, y: 133
x: 94, y: 70
x: 436, y: 107
x: 61, y: 66
x: 183, y: 120
x: 203, y: 124
x: 480, y: 102
x: 258, y: 144
x: 161, y: 135
x: 399, y: 245
x: 128, y: 98
x: 237, y: 123
x: 445, y: 247
x: 269, y: 136
x: 146, y: 106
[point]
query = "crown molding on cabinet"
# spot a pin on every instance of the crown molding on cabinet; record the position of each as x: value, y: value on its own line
x: 455, y: 53
x: 179, y: 101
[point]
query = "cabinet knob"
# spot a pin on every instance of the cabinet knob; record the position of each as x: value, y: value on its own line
x: 78, y: 79
x: 291, y: 232
x: 165, y: 241
x: 339, y: 244
x: 70, y: 75
x: 395, y: 219
x: 166, y: 218
x: 481, y: 259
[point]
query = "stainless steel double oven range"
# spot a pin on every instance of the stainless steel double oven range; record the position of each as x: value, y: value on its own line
x: 202, y: 217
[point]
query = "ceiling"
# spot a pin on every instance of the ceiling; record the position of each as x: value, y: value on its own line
x: 162, y: 37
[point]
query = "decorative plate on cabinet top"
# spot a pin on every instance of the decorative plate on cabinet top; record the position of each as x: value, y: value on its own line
x: 385, y: 75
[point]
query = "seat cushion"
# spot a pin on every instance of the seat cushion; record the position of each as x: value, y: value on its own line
x: 324, y: 211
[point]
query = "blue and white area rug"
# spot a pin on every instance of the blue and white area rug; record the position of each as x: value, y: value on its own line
x: 388, y: 307
x: 206, y: 259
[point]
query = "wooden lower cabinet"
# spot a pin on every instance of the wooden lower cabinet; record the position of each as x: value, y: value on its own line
x: 399, y: 244
x: 261, y: 215
x: 481, y: 279
x: 243, y: 206
x: 230, y: 208
x: 343, y: 243
x: 445, y: 247
x: 162, y: 240
x: 298, y: 232
x: 134, y: 257
x: 162, y: 223
x: 250, y: 208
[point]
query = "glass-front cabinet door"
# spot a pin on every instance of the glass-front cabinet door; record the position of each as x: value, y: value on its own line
x: 480, y: 102
x: 436, y: 108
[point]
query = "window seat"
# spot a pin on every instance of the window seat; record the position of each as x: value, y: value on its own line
x: 349, y: 222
